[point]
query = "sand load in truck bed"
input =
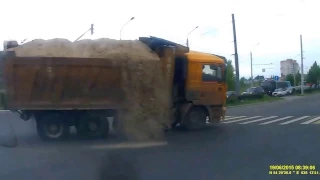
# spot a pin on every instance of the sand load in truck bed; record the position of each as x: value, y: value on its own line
x: 142, y: 78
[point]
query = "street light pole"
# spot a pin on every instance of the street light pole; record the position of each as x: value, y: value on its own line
x: 301, y: 53
x: 189, y: 34
x: 91, y: 29
x: 124, y: 25
x: 251, y: 69
x: 294, y: 74
x: 236, y: 58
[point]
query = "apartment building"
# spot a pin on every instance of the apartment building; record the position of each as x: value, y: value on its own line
x: 288, y: 66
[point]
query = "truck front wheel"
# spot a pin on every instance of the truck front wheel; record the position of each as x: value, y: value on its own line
x: 196, y: 118
x: 52, y: 127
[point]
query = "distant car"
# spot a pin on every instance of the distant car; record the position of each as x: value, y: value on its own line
x: 279, y: 92
x: 270, y: 85
x: 254, y: 92
x: 231, y: 95
x: 291, y: 90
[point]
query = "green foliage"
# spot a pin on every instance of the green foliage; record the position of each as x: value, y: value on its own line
x: 313, y: 75
x: 230, y: 76
x: 298, y: 79
x: 242, y: 81
x: 290, y: 78
x: 231, y: 79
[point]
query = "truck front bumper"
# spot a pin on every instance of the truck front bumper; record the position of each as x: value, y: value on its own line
x: 217, y: 114
x: 223, y: 114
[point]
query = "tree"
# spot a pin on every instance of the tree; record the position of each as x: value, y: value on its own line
x: 313, y: 75
x: 290, y: 78
x: 242, y: 81
x: 298, y: 78
x: 244, y: 84
x: 230, y: 76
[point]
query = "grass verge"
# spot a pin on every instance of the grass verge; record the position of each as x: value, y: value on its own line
x: 309, y: 92
x: 253, y: 101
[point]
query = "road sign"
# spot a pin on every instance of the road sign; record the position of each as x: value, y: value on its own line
x: 276, y: 78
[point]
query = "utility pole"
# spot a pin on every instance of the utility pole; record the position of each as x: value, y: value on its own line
x: 302, y: 84
x: 294, y: 74
x: 236, y: 55
x: 251, y: 69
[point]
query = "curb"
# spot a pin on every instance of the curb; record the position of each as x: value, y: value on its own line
x: 252, y: 104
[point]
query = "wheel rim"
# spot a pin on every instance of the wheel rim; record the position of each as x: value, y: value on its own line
x: 54, y: 130
x: 198, y: 118
x: 207, y: 120
x: 94, y: 125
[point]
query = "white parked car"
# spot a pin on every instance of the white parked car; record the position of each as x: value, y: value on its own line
x: 291, y: 90
x: 279, y: 92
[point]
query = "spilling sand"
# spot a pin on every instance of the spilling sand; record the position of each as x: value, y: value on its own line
x: 142, y: 79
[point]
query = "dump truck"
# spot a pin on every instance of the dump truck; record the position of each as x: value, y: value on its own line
x: 197, y: 87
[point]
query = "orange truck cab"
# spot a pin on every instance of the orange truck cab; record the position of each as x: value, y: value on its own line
x: 198, y: 83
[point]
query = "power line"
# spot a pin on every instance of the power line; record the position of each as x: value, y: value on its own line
x: 212, y: 30
x: 215, y: 29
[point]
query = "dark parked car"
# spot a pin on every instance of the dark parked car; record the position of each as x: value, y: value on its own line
x: 231, y: 96
x: 270, y: 85
x: 254, y: 92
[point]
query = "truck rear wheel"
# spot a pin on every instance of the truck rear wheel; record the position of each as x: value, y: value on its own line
x: 52, y: 127
x: 196, y: 118
x: 93, y: 126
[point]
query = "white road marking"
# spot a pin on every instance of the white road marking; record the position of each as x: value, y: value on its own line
x: 237, y: 117
x: 242, y: 119
x: 276, y: 120
x: 294, y: 120
x: 311, y: 120
x: 257, y: 120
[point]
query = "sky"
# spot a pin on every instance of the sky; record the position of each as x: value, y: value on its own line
x: 275, y: 25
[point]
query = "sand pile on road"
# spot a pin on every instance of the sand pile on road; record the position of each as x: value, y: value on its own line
x: 142, y: 79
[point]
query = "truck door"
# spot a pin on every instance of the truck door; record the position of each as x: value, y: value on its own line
x: 213, y: 85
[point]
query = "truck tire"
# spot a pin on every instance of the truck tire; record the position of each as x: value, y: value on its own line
x: 53, y: 126
x: 93, y: 126
x: 195, y: 119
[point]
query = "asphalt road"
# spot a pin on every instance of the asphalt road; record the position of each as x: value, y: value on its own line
x: 292, y: 106
x: 225, y: 151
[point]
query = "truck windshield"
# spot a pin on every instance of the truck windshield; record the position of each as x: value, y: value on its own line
x: 212, y: 72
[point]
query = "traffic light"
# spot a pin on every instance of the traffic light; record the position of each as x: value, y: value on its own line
x: 91, y: 29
